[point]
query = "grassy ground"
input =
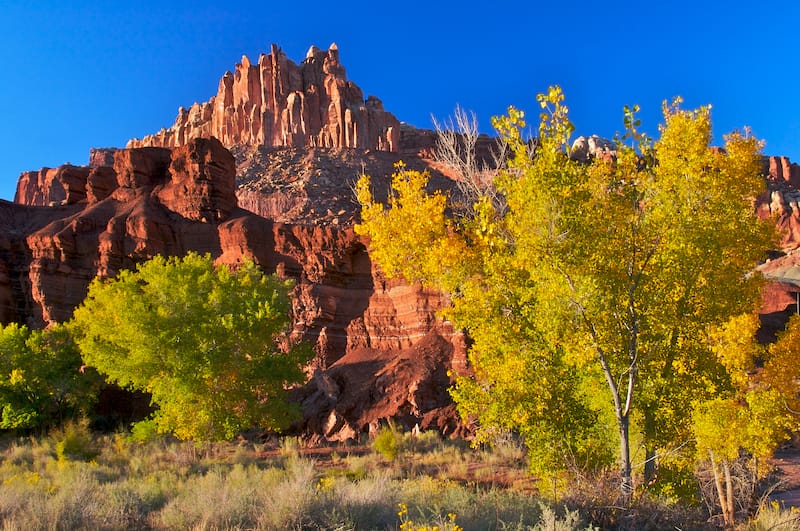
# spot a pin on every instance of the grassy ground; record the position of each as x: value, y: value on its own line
x: 74, y: 480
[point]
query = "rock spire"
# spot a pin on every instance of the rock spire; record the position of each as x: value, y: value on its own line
x: 279, y: 103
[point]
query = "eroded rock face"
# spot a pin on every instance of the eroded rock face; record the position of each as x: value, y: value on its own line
x: 585, y: 149
x: 51, y: 186
x: 781, y: 200
x: 276, y: 102
x: 378, y: 341
x: 315, y: 185
x: 202, y: 186
x: 407, y: 385
x: 782, y: 169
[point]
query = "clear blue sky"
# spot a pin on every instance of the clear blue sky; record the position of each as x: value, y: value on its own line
x: 78, y: 75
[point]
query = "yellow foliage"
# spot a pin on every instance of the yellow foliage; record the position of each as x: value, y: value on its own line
x: 782, y: 367
x: 610, y: 272
x: 406, y: 236
x: 407, y: 524
x: 715, y: 424
x: 734, y: 343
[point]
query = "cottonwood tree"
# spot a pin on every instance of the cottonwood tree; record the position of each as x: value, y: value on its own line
x: 203, y: 340
x: 747, y: 422
x: 41, y: 379
x: 596, y: 276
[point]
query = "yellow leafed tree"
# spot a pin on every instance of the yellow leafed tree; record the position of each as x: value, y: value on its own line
x: 589, y: 296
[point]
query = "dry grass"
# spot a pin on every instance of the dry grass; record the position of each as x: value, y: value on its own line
x: 73, y: 480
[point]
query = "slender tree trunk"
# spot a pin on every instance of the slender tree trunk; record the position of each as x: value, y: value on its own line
x: 729, y: 488
x: 626, y: 481
x: 724, y: 503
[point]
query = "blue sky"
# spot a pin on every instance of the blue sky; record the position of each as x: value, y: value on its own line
x: 95, y: 74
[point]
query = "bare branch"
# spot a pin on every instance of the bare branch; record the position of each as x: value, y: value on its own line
x: 457, y: 150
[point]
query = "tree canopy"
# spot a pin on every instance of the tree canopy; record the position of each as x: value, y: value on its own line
x: 42, y: 381
x: 607, y: 275
x: 208, y: 343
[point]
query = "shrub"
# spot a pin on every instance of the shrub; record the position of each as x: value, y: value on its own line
x: 74, y: 441
x: 388, y: 442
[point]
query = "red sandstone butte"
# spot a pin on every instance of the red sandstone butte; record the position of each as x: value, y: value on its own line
x: 381, y: 350
x: 276, y: 102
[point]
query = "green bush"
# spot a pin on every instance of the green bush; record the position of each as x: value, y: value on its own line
x: 144, y: 431
x: 74, y: 441
x: 42, y: 378
x: 388, y: 443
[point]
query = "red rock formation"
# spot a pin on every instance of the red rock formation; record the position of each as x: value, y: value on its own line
x: 169, y: 201
x: 101, y: 157
x: 781, y: 201
x: 407, y: 385
x: 16, y: 223
x: 49, y: 186
x: 279, y: 103
x: 780, y: 169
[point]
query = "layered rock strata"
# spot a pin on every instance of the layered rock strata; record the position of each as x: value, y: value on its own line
x: 276, y: 102
x: 369, y: 333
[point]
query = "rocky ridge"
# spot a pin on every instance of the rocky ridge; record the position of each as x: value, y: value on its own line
x: 381, y: 350
x: 278, y: 103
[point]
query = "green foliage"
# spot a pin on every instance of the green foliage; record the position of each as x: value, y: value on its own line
x: 42, y: 381
x: 74, y: 441
x: 590, y: 298
x: 144, y: 431
x: 388, y: 442
x: 204, y: 341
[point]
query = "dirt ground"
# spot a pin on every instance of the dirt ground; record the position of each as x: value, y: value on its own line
x: 788, y: 464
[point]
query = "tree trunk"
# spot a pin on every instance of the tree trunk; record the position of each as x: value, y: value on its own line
x: 724, y: 502
x: 729, y: 488
x: 649, y: 446
x: 626, y: 481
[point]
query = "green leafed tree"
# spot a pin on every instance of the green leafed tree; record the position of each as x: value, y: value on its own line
x: 589, y: 295
x: 208, y: 343
x: 42, y: 381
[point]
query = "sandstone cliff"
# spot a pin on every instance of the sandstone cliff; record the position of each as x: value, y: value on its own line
x: 381, y: 351
x: 781, y: 200
x: 276, y: 102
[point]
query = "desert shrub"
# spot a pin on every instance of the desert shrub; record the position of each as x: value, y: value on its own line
x: 71, y: 501
x: 222, y: 499
x: 388, y: 442
x: 366, y: 503
x: 291, y: 505
x: 550, y: 520
x: 598, y: 500
x: 166, y: 485
x: 290, y: 447
x: 74, y: 441
x: 128, y: 504
x: 772, y: 516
